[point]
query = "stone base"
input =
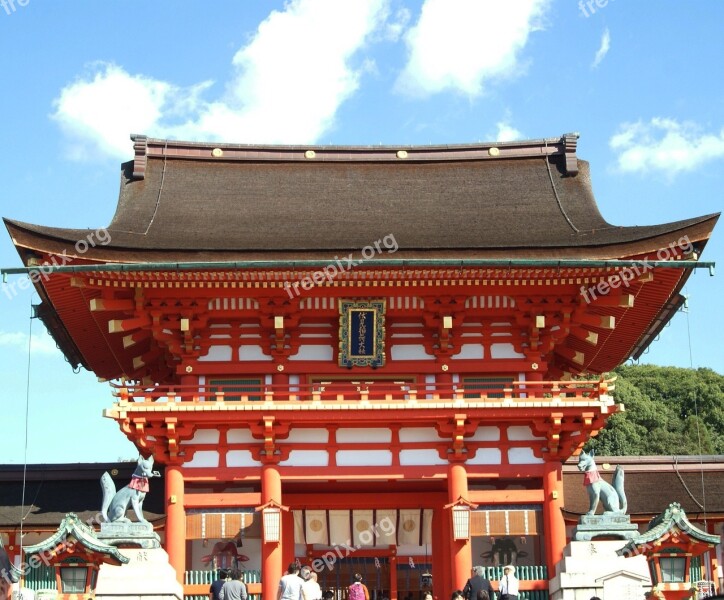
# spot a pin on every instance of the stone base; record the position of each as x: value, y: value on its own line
x: 122, y: 533
x: 594, y: 569
x: 147, y: 574
x: 607, y: 525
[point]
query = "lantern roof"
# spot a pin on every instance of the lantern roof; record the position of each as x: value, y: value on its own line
x: 670, y: 524
x: 71, y: 532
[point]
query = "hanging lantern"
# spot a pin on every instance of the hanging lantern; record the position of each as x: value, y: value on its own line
x: 461, y: 510
x: 271, y: 514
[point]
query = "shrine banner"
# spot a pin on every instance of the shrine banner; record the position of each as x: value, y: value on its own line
x: 361, y: 333
x: 299, y: 534
x: 409, y: 529
x: 316, y: 530
x: 339, y: 527
x: 386, y: 527
x: 363, y: 528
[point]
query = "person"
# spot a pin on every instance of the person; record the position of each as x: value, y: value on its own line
x: 508, y: 586
x: 233, y: 589
x: 476, y: 583
x: 310, y: 587
x: 427, y: 596
x: 358, y: 590
x: 595, y: 598
x: 290, y: 585
x: 457, y: 595
x: 218, y: 584
x: 328, y: 595
x: 483, y: 595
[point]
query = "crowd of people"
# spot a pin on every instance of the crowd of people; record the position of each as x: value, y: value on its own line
x: 300, y: 583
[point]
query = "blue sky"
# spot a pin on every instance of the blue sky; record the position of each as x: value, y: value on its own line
x: 641, y: 81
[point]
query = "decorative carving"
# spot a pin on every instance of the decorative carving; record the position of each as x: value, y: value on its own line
x: 140, y: 150
x: 570, y: 141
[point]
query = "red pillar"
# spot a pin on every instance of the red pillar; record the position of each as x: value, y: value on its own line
x: 555, y: 527
x: 393, y: 574
x: 288, y: 539
x: 441, y: 529
x: 460, y: 550
x: 280, y: 386
x: 175, y: 521
x: 271, y: 553
x: 444, y: 384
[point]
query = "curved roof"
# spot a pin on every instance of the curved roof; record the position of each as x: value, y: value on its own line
x: 181, y: 197
x: 73, y: 531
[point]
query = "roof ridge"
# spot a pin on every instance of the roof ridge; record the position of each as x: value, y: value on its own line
x: 145, y: 147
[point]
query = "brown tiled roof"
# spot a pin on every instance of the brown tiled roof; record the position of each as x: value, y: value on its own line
x: 52, y: 491
x: 176, y: 197
x: 652, y: 483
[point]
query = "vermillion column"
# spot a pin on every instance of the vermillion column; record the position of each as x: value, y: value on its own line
x: 444, y: 384
x: 271, y: 552
x: 280, y: 381
x: 460, y: 550
x: 175, y: 521
x: 393, y: 574
x: 441, y: 528
x: 555, y: 527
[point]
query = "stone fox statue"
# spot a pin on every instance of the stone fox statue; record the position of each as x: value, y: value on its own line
x: 115, y: 503
x: 612, y: 496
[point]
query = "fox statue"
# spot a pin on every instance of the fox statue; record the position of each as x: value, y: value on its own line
x: 115, y: 503
x: 613, y: 496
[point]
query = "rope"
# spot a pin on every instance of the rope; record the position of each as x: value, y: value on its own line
x: 696, y: 411
x: 27, y: 424
x: 555, y: 191
x: 160, y: 190
x: 688, y: 491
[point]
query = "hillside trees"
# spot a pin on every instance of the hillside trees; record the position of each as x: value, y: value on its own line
x: 669, y: 411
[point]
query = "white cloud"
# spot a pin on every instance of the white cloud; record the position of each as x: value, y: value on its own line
x: 42, y: 343
x: 287, y: 85
x: 602, y: 49
x: 665, y: 145
x: 507, y: 133
x: 463, y: 44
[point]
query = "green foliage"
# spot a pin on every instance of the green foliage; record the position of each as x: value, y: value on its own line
x: 669, y: 411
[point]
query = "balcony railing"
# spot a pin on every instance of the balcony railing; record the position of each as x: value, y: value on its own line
x: 516, y: 391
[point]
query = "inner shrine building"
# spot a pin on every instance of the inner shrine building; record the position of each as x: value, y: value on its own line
x: 365, y: 359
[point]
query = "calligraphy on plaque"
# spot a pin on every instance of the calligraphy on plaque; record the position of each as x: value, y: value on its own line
x: 361, y: 333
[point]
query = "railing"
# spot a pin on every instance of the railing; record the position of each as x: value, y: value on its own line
x: 522, y: 572
x: 41, y: 577
x: 197, y: 583
x: 551, y: 391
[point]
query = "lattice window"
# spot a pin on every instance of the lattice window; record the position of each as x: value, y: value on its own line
x: 487, y: 386
x: 235, y: 389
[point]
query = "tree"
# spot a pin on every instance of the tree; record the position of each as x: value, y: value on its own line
x: 668, y: 411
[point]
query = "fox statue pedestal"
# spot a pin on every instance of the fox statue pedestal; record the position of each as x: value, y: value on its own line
x: 148, y: 574
x: 594, y: 569
x: 608, y: 526
x: 127, y: 533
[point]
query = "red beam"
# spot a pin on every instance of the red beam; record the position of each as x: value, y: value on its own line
x: 209, y: 500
